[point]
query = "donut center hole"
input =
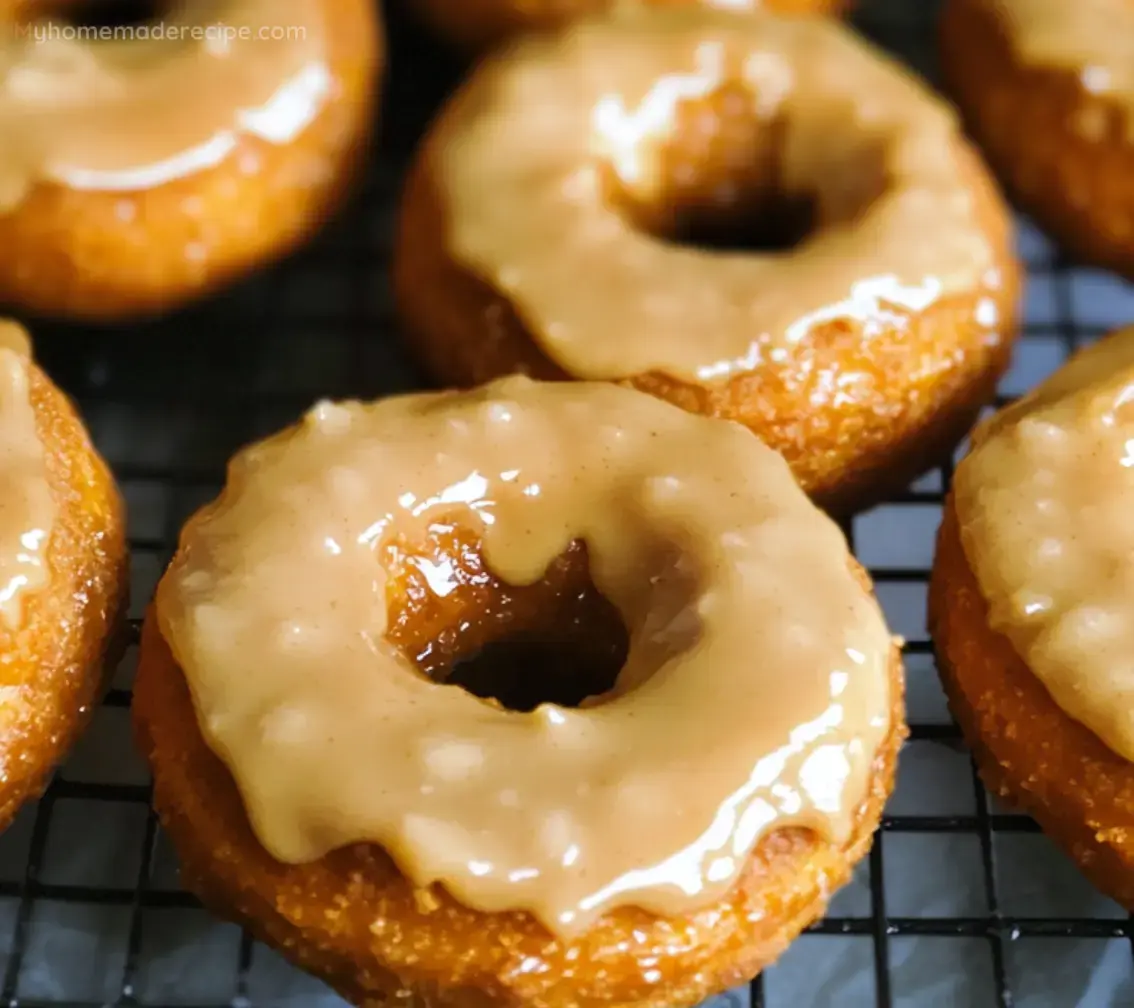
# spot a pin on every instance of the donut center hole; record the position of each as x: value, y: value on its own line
x: 98, y: 14
x: 719, y: 177
x: 557, y: 641
x: 522, y: 672
x: 779, y: 223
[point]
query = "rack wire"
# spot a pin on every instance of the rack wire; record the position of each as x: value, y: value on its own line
x: 961, y: 902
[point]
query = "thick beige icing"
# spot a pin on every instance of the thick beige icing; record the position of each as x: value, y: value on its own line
x: 755, y: 694
x: 519, y: 159
x: 1046, y: 506
x: 1095, y: 38
x: 133, y: 114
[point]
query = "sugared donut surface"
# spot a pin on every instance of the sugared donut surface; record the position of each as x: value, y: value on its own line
x: 749, y: 216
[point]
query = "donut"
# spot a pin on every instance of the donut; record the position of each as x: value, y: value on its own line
x: 121, y: 200
x: 1029, y: 603
x: 360, y: 692
x: 475, y: 24
x: 62, y: 574
x: 1047, y: 90
x: 565, y: 216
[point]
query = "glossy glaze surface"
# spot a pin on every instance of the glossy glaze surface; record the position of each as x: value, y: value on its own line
x: 1050, y: 104
x: 697, y: 535
x: 1093, y: 38
x: 536, y: 140
x: 61, y: 622
x: 1044, y: 506
x: 121, y: 200
x: 27, y: 508
x: 111, y: 115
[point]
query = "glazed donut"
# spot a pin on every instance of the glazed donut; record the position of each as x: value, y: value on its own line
x: 121, y: 199
x: 474, y: 24
x: 1029, y: 607
x: 571, y: 843
x: 1047, y: 88
x: 62, y: 574
x: 548, y: 220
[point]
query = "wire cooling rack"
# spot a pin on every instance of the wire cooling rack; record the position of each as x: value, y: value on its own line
x: 961, y: 903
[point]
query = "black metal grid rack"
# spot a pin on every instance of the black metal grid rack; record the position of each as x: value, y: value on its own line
x: 961, y: 903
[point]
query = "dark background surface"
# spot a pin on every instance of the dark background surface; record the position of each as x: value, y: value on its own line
x: 960, y: 904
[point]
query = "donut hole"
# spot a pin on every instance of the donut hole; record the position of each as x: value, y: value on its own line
x: 98, y: 14
x: 556, y: 641
x: 522, y: 672
x: 723, y: 178
x: 778, y: 225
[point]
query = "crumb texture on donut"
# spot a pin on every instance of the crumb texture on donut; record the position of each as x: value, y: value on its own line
x: 860, y: 390
x: 119, y: 199
x: 1047, y: 89
x: 54, y: 657
x: 697, y: 550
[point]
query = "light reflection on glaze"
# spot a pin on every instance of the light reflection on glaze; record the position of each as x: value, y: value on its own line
x: 743, y: 817
x: 653, y: 794
x: 290, y: 111
x: 114, y: 116
x: 621, y: 134
x: 516, y: 161
x: 27, y: 509
x: 877, y: 304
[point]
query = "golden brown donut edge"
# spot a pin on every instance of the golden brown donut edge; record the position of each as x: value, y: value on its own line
x: 56, y: 663
x: 353, y: 920
x: 1028, y: 751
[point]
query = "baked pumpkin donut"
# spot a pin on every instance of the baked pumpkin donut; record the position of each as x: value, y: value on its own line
x: 119, y: 198
x: 326, y: 767
x: 557, y: 219
x: 1047, y: 88
x: 62, y: 574
x: 474, y: 24
x: 1030, y: 608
